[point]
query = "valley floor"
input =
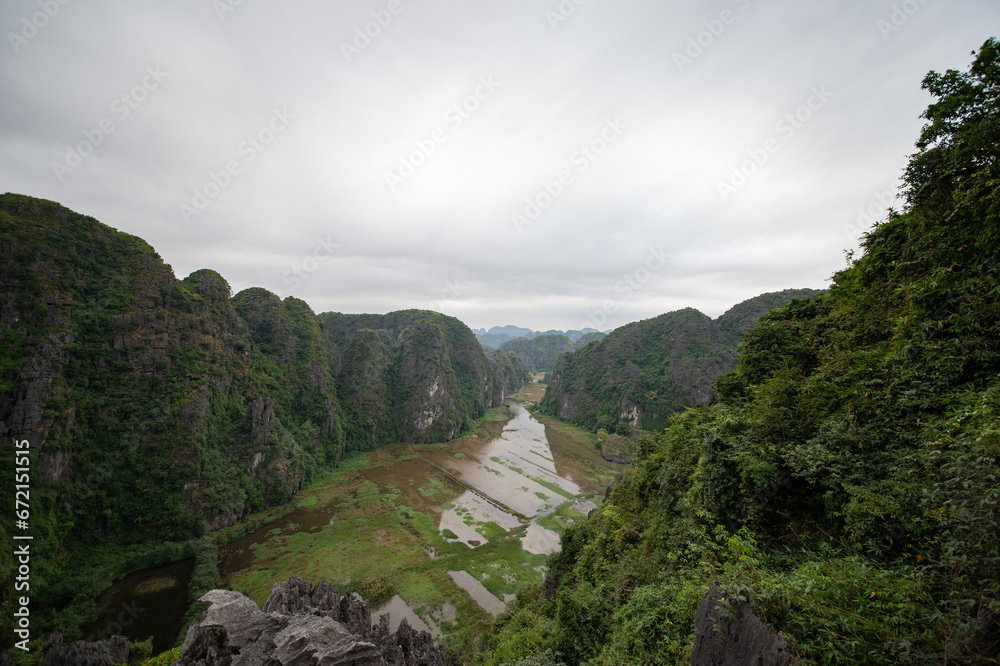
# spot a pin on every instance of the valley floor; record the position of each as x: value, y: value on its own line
x: 441, y: 534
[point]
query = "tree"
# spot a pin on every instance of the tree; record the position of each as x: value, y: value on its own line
x: 957, y: 163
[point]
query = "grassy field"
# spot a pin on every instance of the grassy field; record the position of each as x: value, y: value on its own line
x: 371, y: 526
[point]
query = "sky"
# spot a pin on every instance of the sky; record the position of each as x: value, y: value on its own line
x: 552, y: 164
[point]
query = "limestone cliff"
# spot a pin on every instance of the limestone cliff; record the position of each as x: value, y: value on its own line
x: 159, y: 408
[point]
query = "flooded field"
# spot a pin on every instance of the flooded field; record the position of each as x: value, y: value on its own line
x: 443, y: 534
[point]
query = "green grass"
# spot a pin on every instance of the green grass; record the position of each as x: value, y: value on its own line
x: 553, y: 487
x: 561, y: 518
x: 379, y: 544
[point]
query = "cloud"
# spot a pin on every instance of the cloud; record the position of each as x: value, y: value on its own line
x: 477, y: 110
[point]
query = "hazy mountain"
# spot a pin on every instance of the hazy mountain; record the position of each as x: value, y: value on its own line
x: 539, y: 353
x: 498, y: 335
x: 643, y: 372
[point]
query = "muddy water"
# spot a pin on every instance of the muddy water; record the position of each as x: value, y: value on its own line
x: 239, y: 554
x: 478, y: 592
x: 476, y: 486
x: 143, y: 604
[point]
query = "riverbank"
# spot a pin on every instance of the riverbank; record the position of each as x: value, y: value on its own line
x: 445, y: 534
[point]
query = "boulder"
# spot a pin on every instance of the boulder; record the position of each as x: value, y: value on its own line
x: 739, y: 640
x: 301, y: 625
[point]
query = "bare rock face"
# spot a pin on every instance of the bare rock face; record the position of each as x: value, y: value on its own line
x: 81, y: 653
x: 310, y: 639
x: 301, y: 625
x: 738, y: 641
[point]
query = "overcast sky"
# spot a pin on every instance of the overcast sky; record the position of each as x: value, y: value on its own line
x: 532, y: 162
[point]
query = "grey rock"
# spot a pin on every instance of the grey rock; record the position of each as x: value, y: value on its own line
x: 115, y: 650
x: 739, y: 641
x: 208, y: 644
x: 418, y: 648
x: 297, y: 595
x: 309, y: 640
x: 301, y: 625
x: 355, y: 614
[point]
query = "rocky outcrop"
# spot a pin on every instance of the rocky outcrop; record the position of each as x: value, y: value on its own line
x: 115, y: 650
x: 735, y: 638
x: 301, y: 625
x: 415, y: 375
x: 618, y: 449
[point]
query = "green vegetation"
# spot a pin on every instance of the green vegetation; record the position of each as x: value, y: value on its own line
x: 539, y: 353
x: 587, y: 338
x: 847, y: 482
x: 644, y: 372
x: 163, y: 409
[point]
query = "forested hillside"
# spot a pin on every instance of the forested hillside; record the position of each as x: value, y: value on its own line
x: 415, y: 376
x: 539, y: 354
x: 159, y: 408
x: 642, y: 373
x: 847, y: 482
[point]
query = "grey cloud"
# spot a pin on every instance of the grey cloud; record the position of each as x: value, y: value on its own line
x: 325, y: 175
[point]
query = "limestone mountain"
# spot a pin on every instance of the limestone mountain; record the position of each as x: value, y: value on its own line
x: 587, y: 338
x: 498, y: 335
x: 158, y: 407
x: 539, y: 353
x: 415, y: 376
x: 642, y: 373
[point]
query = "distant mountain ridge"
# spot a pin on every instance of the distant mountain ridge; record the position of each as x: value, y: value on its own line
x: 498, y: 335
x: 539, y: 354
x: 643, y: 372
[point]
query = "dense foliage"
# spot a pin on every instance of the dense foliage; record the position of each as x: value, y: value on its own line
x: 539, y: 353
x: 158, y: 409
x: 847, y: 482
x: 587, y: 338
x: 644, y: 372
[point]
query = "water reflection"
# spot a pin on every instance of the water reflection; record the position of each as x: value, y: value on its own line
x: 475, y: 489
x: 478, y: 592
x: 143, y: 604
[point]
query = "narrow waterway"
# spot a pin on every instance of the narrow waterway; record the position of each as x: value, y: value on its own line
x: 144, y: 604
x: 481, y: 493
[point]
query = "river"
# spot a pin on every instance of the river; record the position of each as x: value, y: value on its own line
x: 433, y: 532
